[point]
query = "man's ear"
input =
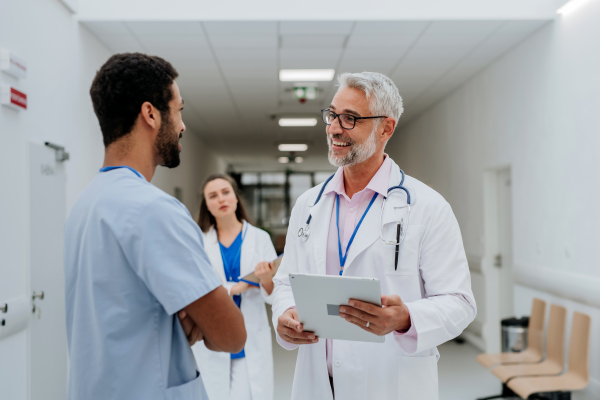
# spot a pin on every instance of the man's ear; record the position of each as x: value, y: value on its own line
x: 150, y: 115
x: 389, y: 125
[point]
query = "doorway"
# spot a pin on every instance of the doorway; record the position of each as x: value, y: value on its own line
x: 47, y: 328
x: 498, y: 258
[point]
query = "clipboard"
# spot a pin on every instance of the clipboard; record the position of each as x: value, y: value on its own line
x: 253, y: 280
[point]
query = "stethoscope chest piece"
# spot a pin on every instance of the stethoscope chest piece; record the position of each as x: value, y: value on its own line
x: 304, y: 233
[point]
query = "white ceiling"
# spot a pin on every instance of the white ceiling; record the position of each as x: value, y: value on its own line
x: 229, y: 71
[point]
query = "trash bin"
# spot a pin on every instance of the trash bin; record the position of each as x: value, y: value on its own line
x: 514, y: 334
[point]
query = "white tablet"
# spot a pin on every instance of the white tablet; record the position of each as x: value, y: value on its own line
x: 318, y: 298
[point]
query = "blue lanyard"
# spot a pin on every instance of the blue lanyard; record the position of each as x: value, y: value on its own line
x: 106, y: 169
x: 337, y: 222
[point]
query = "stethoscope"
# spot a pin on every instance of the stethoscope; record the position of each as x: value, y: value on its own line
x: 304, y: 233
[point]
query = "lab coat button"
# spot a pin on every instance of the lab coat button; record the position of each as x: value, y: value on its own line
x: 352, y: 210
x: 338, y: 363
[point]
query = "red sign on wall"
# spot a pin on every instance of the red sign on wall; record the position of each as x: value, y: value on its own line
x: 17, y: 98
x: 14, y: 98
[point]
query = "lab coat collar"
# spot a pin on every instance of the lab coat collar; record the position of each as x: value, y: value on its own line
x: 376, y: 184
x: 370, y: 230
x: 319, y: 230
x: 211, y: 246
x: 396, y: 206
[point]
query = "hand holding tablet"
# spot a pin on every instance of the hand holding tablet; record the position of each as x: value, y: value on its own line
x: 393, y: 316
x: 319, y: 298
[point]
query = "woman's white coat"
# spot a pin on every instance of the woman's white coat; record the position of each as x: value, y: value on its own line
x: 215, y: 367
x: 432, y: 279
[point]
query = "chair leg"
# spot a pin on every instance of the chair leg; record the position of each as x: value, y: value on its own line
x: 551, y: 396
x: 506, y: 392
x: 563, y: 395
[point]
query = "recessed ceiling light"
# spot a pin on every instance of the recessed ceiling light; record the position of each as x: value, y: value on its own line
x: 298, y: 160
x: 284, y: 160
x: 293, y: 147
x: 297, y: 121
x: 304, y: 75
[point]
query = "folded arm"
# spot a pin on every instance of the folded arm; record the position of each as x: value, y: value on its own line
x: 219, y: 320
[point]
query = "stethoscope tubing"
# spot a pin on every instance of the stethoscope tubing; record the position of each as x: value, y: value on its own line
x: 304, y: 233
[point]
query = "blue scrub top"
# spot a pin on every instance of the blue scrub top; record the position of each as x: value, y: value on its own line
x: 133, y: 257
x: 231, y: 264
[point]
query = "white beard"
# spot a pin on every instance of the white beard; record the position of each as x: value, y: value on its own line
x: 357, y: 154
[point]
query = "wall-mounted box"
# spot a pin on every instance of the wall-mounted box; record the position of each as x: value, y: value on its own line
x: 12, y: 65
x: 13, y: 98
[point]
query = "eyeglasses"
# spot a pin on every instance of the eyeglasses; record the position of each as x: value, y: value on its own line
x: 347, y: 121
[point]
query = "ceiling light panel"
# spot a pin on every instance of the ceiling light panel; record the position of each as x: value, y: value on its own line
x: 297, y: 122
x: 571, y: 6
x: 306, y: 75
x: 292, y: 147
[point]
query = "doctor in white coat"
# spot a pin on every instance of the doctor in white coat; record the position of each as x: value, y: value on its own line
x: 427, y: 298
x: 231, y: 242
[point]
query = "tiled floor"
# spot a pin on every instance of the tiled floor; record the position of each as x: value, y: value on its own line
x: 460, y: 376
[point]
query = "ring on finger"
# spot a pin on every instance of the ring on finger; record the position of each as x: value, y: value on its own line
x: 368, y: 323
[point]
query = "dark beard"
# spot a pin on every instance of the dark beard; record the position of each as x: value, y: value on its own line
x: 167, y: 144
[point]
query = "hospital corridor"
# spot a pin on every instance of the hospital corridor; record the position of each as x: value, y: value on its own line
x: 275, y: 200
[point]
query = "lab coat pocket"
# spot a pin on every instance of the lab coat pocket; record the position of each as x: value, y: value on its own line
x: 417, y: 378
x: 192, y: 390
x: 408, y: 252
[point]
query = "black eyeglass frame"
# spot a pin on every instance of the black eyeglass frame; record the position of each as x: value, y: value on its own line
x: 336, y: 115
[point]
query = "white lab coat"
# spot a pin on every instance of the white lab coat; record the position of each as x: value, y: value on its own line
x: 432, y: 279
x: 215, y: 367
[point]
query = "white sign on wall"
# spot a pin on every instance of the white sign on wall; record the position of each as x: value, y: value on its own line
x: 12, y: 65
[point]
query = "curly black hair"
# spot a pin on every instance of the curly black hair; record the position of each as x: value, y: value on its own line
x: 123, y: 84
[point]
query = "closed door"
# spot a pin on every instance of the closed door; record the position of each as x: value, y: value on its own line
x: 503, y: 259
x: 48, y: 343
x: 497, y: 271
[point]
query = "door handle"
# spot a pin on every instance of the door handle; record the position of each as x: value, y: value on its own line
x: 39, y: 295
x: 4, y: 308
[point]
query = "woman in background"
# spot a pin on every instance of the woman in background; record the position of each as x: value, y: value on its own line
x: 236, y: 248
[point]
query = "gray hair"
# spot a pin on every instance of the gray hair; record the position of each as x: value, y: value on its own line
x: 382, y: 93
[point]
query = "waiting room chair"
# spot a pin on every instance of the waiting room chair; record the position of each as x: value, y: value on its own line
x: 535, y: 341
x: 577, y: 376
x: 554, y: 362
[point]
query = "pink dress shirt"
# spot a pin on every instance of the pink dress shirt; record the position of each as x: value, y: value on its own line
x: 351, y: 211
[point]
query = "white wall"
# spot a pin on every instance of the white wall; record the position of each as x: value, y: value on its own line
x: 535, y: 109
x: 62, y: 58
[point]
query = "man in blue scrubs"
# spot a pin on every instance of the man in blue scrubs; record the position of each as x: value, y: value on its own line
x: 134, y: 257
